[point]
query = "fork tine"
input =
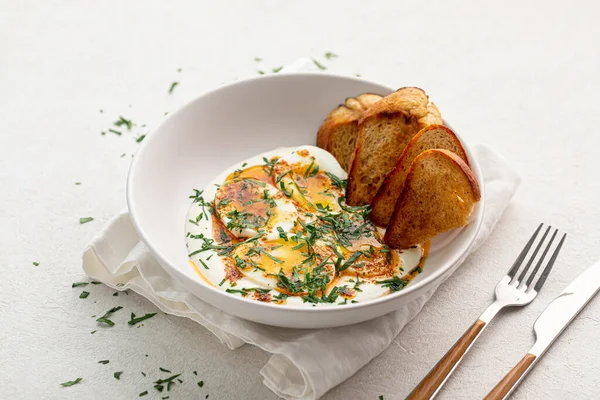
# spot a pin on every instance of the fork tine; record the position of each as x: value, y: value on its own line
x: 515, y: 267
x: 537, y: 249
x: 541, y: 260
x: 546, y: 272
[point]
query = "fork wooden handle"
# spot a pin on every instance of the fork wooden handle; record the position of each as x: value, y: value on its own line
x: 437, y: 376
x: 505, y: 385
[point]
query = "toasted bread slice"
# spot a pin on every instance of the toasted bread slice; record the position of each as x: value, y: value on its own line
x: 338, y: 133
x: 431, y: 137
x: 383, y: 132
x: 439, y: 195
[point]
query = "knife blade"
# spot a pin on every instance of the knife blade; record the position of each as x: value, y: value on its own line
x: 564, y: 308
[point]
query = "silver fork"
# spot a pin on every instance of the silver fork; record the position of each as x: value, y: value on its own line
x: 512, y: 290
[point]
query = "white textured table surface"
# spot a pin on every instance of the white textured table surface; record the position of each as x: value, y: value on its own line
x: 520, y: 76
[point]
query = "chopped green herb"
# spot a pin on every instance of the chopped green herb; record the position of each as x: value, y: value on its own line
x: 380, y: 397
x: 280, y: 297
x: 203, y: 263
x: 71, y: 383
x: 95, y: 283
x: 115, y: 132
x: 242, y: 291
x: 284, y: 190
x: 169, y: 379
x: 260, y: 72
x: 201, y: 383
x: 394, y: 284
x: 163, y: 369
x: 173, y: 86
x: 282, y: 233
x: 319, y: 65
x: 195, y: 373
x: 103, y: 362
x: 85, y: 220
x: 145, y: 392
x: 115, y: 293
x: 104, y: 319
x: 340, y: 183
x: 140, y: 138
x: 277, y: 69
x: 329, y: 55
x: 92, y: 332
x: 350, y: 261
x: 77, y: 183
x: 135, y: 320
x: 84, y: 295
x: 36, y: 263
x: 159, y: 388
x: 123, y: 121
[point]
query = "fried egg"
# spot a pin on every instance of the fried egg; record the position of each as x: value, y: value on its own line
x: 276, y: 228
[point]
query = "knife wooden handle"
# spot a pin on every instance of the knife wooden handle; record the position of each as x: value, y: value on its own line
x: 504, y: 386
x: 436, y: 377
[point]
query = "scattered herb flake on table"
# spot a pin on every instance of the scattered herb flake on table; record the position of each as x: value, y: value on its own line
x: 71, y: 383
x: 36, y: 263
x: 78, y: 183
x: 329, y: 55
x: 85, y: 220
x: 117, y: 375
x: 319, y: 65
x: 115, y: 131
x: 139, y: 139
x: 201, y: 383
x: 173, y: 86
x: 103, y: 362
x: 95, y: 283
x: 135, y: 320
x: 163, y: 369
x: 84, y: 295
x: 277, y: 69
x: 123, y: 121
x: 104, y: 319
x: 143, y: 393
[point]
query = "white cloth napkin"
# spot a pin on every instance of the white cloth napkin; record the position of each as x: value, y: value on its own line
x: 305, y: 363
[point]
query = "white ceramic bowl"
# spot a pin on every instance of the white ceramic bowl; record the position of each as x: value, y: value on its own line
x: 235, y: 122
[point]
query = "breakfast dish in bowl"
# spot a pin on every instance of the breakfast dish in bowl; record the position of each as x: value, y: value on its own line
x: 276, y: 228
x: 335, y: 268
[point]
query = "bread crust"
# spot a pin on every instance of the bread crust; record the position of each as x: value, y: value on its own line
x: 394, y: 236
x: 409, y: 107
x: 345, y: 115
x: 384, y: 202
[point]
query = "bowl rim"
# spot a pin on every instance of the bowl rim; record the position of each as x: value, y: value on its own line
x: 178, y: 275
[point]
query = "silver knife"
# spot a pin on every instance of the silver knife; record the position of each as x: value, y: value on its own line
x: 549, y: 325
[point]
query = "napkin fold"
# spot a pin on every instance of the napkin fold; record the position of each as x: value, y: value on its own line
x: 302, y: 365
